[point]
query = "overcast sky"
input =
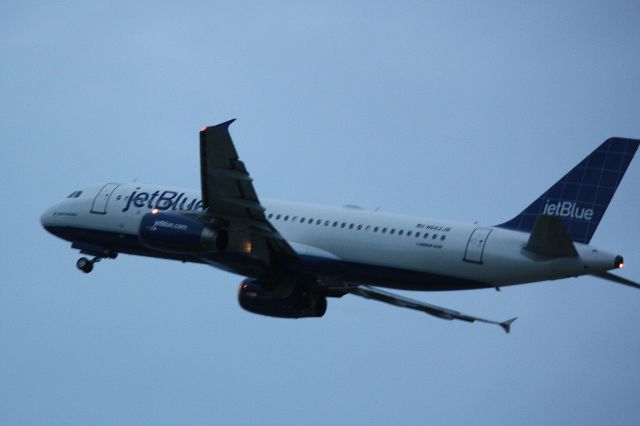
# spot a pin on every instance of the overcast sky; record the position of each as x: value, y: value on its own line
x: 458, y: 110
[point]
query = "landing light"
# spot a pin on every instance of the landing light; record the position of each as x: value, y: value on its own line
x: 246, y: 247
x: 154, y: 211
x: 619, y: 262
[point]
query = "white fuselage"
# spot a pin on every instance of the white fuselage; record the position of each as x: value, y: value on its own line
x: 354, y: 237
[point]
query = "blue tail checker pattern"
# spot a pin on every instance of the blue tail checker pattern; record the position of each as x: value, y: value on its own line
x: 581, y: 197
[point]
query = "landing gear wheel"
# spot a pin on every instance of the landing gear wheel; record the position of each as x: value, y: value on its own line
x: 85, y: 265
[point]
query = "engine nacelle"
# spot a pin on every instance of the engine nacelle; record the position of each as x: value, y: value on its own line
x: 299, y: 304
x: 179, y: 234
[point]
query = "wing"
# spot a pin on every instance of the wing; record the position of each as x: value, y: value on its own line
x: 230, y: 199
x: 437, y: 311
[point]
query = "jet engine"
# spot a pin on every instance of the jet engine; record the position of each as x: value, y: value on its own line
x: 173, y: 233
x: 253, y: 297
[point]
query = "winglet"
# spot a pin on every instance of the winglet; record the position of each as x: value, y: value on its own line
x: 507, y: 324
x: 222, y: 126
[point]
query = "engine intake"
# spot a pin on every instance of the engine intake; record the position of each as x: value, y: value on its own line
x: 180, y: 234
x: 253, y: 298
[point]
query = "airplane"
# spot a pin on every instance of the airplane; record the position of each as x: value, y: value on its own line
x: 294, y: 256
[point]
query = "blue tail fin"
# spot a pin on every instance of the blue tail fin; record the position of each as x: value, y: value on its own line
x: 581, y: 197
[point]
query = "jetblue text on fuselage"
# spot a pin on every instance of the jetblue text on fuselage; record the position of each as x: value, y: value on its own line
x: 170, y: 225
x: 567, y: 209
x: 163, y: 200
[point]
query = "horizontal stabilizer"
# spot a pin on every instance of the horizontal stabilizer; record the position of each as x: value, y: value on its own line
x: 549, y: 237
x: 616, y: 279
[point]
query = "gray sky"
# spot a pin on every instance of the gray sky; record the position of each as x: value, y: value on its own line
x: 457, y: 110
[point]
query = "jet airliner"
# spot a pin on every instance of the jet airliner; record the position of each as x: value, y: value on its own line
x: 294, y: 256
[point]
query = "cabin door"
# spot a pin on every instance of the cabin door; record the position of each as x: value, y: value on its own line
x: 475, y: 246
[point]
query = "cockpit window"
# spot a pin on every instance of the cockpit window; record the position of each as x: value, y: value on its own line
x: 75, y: 194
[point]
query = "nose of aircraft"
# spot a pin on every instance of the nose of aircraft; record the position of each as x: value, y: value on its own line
x: 46, y: 219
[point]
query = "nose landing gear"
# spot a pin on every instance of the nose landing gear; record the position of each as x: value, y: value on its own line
x: 98, y: 253
x: 86, y: 265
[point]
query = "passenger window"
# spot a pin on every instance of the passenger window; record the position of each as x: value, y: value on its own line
x: 417, y: 235
x: 434, y: 236
x: 319, y: 221
x: 343, y: 225
x: 293, y: 219
x: 426, y: 235
x: 359, y: 227
x: 286, y: 218
x: 384, y: 230
x: 278, y: 217
x: 400, y: 232
x: 270, y: 215
x: 393, y: 231
x: 408, y: 233
x: 375, y: 229
x: 351, y: 226
x: 335, y: 224
x: 442, y: 238
x: 326, y: 223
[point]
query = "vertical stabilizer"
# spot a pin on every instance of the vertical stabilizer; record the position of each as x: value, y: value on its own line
x: 581, y: 197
